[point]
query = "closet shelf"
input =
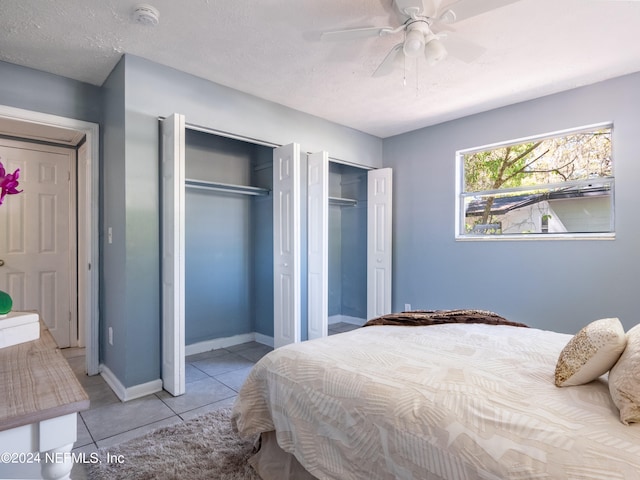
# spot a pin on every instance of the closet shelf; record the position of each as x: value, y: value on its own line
x: 226, y: 187
x: 342, y: 202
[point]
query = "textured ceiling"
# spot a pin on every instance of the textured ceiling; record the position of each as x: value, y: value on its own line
x: 272, y: 49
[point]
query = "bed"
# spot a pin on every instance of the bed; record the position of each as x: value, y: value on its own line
x: 447, y: 401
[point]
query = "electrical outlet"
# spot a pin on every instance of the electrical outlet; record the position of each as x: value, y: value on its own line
x: 110, y: 336
x: 407, y: 307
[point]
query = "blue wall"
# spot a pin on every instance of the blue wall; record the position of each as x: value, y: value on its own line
x: 229, y: 271
x: 29, y: 89
x: 113, y: 281
x: 127, y: 108
x: 262, y: 235
x: 557, y: 285
x: 151, y: 91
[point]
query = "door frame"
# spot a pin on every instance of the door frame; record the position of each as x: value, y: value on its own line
x: 87, y: 223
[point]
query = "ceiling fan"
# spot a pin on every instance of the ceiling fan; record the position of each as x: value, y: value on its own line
x: 422, y: 22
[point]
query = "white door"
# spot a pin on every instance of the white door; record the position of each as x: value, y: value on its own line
x: 318, y: 244
x: 173, y: 254
x: 379, y: 193
x: 38, y: 235
x: 286, y: 245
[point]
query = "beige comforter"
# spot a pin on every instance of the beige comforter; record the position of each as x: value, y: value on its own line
x: 449, y: 402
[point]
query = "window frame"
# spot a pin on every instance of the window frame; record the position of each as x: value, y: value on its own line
x: 460, y: 223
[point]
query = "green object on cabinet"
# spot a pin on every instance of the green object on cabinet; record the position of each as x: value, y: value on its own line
x: 5, y: 303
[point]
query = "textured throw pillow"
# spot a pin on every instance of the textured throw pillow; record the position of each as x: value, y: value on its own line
x: 624, y: 379
x: 591, y: 352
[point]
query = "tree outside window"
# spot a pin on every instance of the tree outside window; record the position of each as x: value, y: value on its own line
x: 559, y: 184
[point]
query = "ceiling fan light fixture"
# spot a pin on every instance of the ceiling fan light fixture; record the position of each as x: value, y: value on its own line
x: 434, y: 51
x: 414, y: 43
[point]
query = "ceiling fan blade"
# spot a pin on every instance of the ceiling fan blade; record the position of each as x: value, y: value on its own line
x: 354, y: 33
x: 461, y: 48
x: 388, y: 64
x: 464, y: 9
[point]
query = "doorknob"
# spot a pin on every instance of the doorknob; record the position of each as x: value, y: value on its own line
x: 1, y: 263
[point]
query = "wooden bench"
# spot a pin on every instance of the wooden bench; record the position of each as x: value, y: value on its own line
x: 40, y: 397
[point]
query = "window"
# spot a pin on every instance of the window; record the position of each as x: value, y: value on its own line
x: 553, y: 186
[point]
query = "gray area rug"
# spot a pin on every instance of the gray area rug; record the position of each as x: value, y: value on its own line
x: 203, y: 448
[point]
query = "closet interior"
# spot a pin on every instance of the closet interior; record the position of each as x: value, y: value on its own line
x: 347, y: 244
x: 228, y: 237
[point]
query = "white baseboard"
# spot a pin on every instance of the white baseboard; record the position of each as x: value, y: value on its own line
x: 137, y: 391
x: 216, y: 343
x: 346, y: 319
x: 264, y: 339
x: 129, y: 393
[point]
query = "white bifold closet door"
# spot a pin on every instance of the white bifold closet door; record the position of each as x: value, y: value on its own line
x: 318, y: 244
x: 379, y: 231
x: 286, y: 245
x: 173, y: 254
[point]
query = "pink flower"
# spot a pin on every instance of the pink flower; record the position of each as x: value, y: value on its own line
x: 8, y: 182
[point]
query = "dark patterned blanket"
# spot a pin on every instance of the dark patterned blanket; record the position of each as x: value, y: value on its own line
x: 437, y: 317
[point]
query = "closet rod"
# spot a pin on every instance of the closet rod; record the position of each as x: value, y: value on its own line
x: 226, y: 187
x: 343, y: 202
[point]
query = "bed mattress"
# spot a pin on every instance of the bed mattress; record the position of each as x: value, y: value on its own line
x: 448, y: 402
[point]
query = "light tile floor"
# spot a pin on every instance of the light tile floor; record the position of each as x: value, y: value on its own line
x: 213, y: 380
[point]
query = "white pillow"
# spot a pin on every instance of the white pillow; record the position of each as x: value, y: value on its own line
x: 624, y: 379
x: 590, y: 353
